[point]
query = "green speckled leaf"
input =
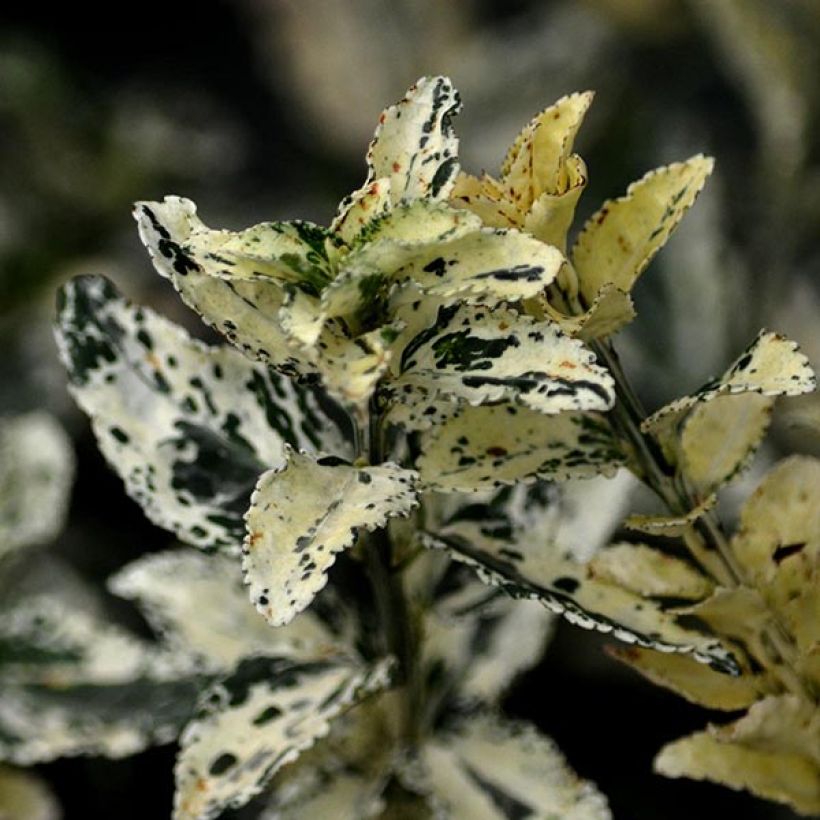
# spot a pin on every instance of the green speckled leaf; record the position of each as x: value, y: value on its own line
x: 529, y: 567
x: 245, y: 312
x: 620, y: 240
x: 446, y: 253
x: 198, y: 604
x: 499, y: 770
x: 485, y: 447
x: 413, y: 155
x: 36, y: 471
x: 303, y: 514
x: 280, y: 252
x: 254, y: 722
x: 23, y: 796
x: 481, y: 356
x: 188, y: 427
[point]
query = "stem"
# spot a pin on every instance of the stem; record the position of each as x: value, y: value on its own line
x: 399, y: 632
x: 704, y: 538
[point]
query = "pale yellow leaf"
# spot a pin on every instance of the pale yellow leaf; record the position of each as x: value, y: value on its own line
x: 719, y: 438
x: 787, y: 778
x: 620, y: 240
x: 670, y: 525
x: 649, y: 572
x: 692, y: 680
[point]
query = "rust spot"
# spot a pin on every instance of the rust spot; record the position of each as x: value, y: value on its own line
x: 253, y: 538
x: 602, y: 216
x: 396, y: 167
x: 201, y: 785
x: 152, y: 359
x: 381, y: 118
x: 567, y: 365
x: 623, y: 244
x: 502, y: 325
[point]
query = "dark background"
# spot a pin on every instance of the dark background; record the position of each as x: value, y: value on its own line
x: 231, y: 95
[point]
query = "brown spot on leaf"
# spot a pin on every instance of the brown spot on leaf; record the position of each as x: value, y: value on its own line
x: 496, y: 452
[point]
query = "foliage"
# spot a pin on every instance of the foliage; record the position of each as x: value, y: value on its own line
x: 424, y: 394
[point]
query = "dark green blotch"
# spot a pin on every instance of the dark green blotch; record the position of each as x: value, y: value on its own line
x: 222, y: 764
x: 464, y: 352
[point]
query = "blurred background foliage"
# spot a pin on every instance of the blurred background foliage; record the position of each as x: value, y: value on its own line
x: 262, y: 109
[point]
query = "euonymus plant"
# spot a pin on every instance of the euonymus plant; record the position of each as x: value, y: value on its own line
x: 414, y: 448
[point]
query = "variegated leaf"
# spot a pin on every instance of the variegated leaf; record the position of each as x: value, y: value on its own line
x: 42, y: 723
x: 773, y: 751
x: 188, y: 427
x: 486, y: 198
x: 351, y: 368
x: 692, y: 680
x: 620, y: 240
x: 279, y: 252
x: 341, y: 795
x: 415, y: 410
x: 36, y: 471
x: 557, y: 512
x: 245, y: 312
x: 481, y: 356
x: 199, y: 606
x: 486, y: 447
x: 303, y: 514
x: 650, y: 572
x: 771, y: 366
x: 45, y: 641
x: 353, y: 762
x: 528, y: 568
x: 414, y: 146
x: 447, y: 254
x: 23, y: 796
x: 256, y: 721
x: 778, y: 546
x: 479, y: 646
x: 496, y: 769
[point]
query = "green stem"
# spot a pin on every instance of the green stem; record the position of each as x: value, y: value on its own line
x: 704, y: 538
x: 399, y: 631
